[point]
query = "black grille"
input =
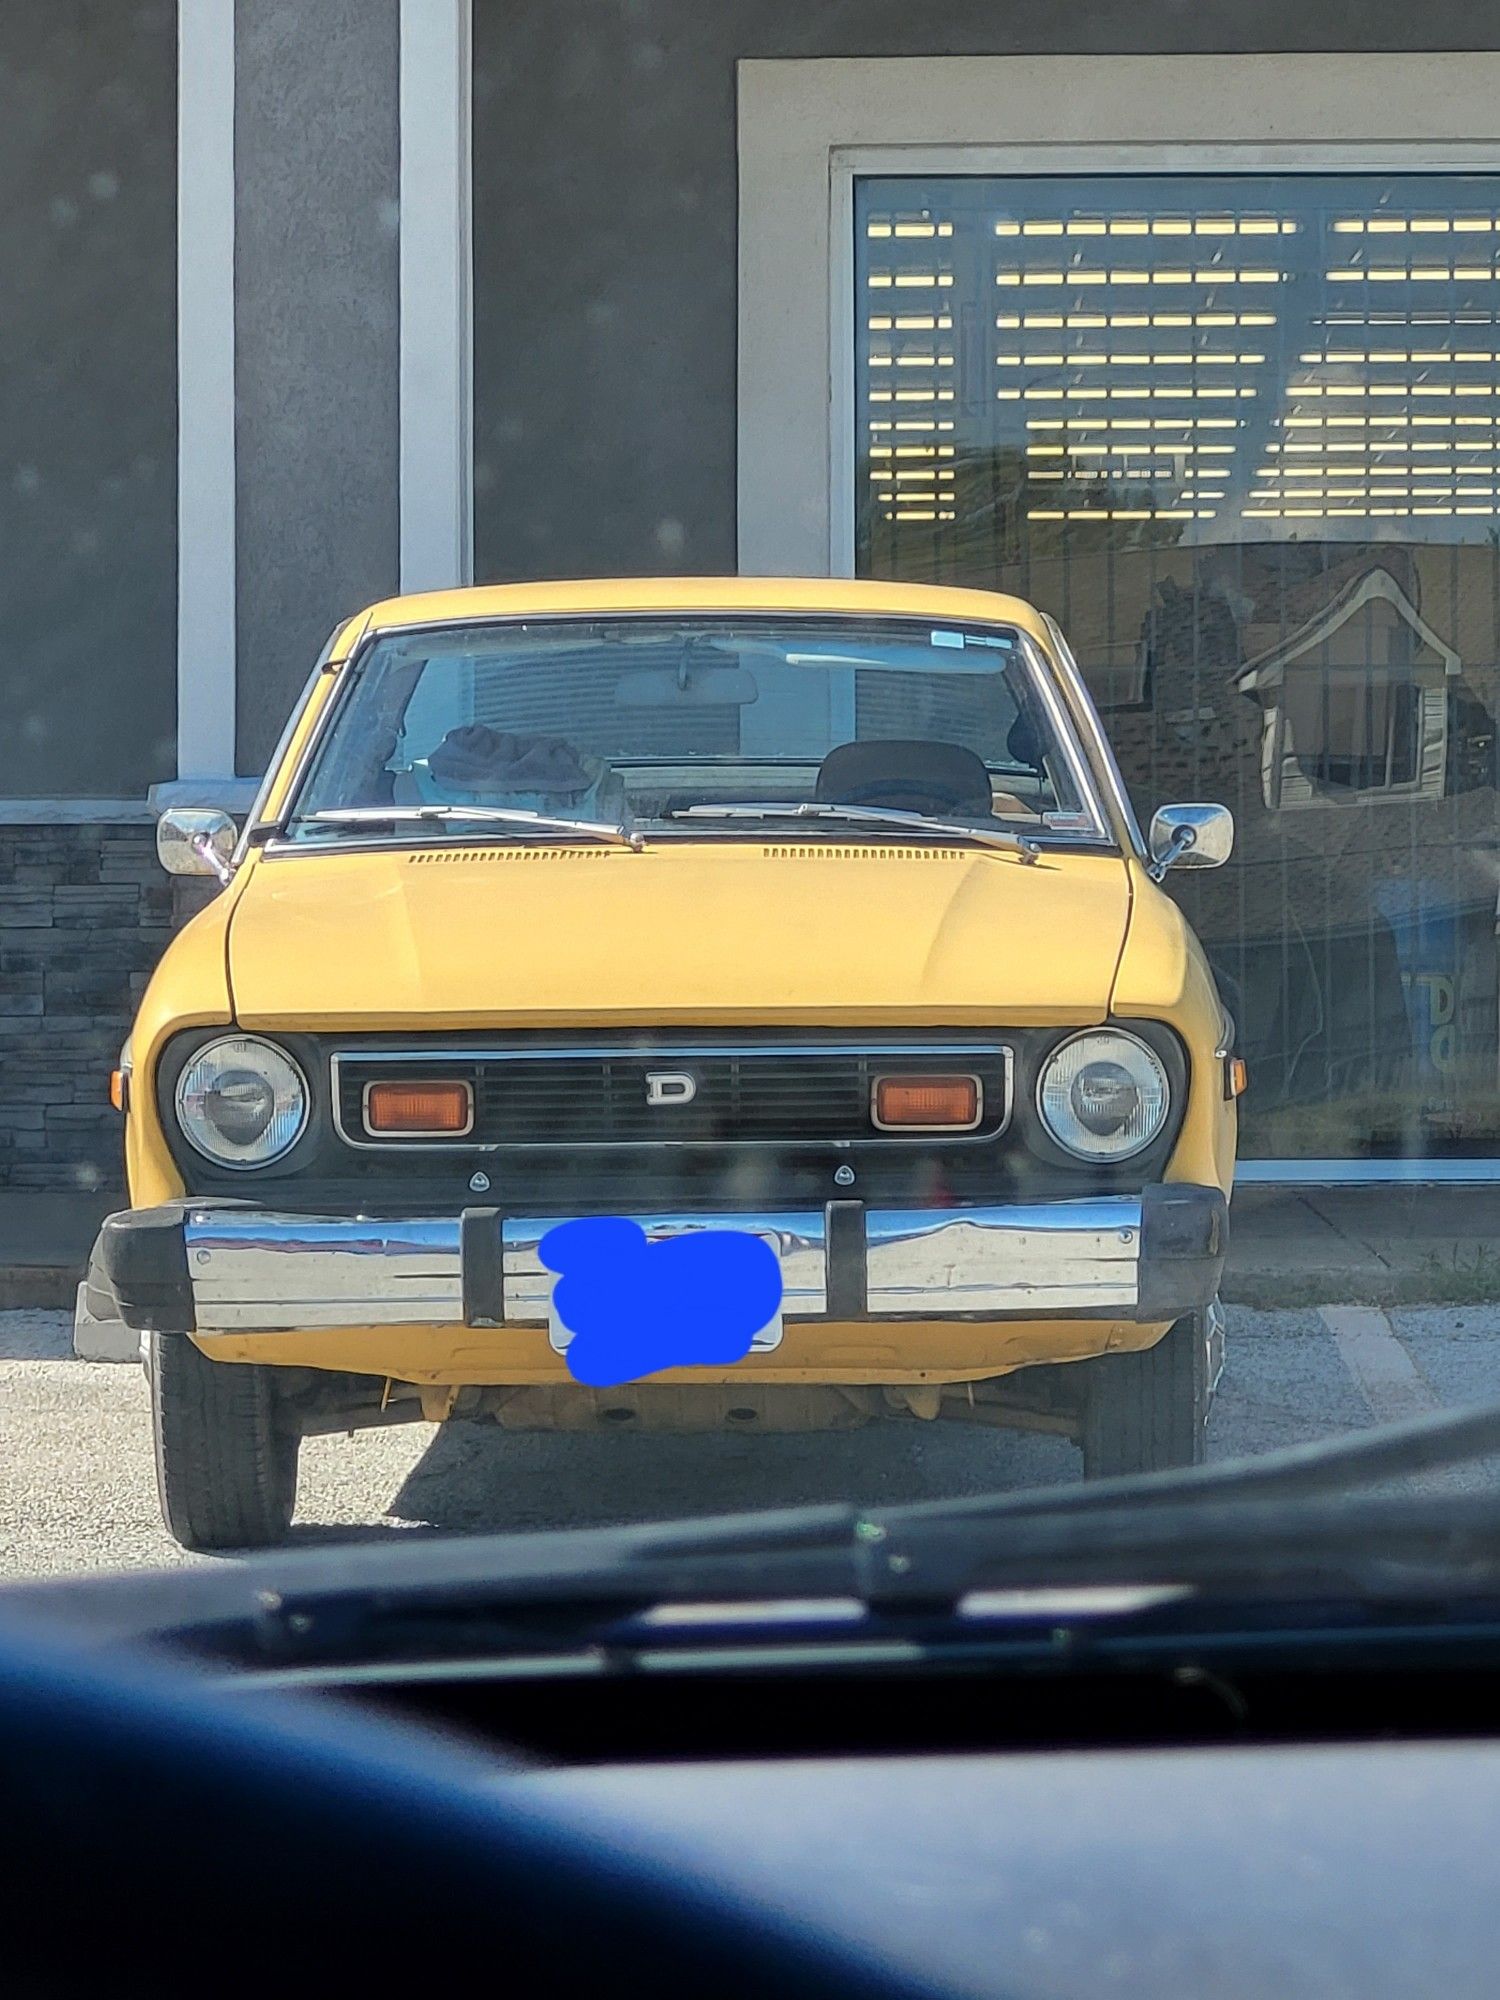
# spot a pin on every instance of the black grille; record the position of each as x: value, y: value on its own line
x: 602, y: 1096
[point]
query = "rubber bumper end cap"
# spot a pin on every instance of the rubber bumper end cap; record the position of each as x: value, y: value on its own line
x: 1184, y: 1240
x: 144, y: 1255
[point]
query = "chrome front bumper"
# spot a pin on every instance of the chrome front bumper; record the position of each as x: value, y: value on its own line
x: 227, y: 1268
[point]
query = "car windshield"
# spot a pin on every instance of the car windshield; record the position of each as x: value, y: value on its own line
x: 690, y: 723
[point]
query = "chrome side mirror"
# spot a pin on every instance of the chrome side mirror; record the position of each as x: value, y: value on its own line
x: 1196, y: 836
x: 193, y: 842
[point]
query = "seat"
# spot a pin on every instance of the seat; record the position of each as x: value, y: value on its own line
x: 1024, y: 743
x: 905, y: 776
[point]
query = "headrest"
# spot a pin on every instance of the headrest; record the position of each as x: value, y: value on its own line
x: 913, y: 776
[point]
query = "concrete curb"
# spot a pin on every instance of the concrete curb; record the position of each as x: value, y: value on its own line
x: 36, y: 1286
x: 101, y: 1338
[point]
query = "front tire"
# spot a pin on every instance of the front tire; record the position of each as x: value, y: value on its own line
x: 1147, y: 1411
x: 226, y: 1461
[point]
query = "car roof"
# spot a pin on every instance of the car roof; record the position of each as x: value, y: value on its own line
x: 830, y: 595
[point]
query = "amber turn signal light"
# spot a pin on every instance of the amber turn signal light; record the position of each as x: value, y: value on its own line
x: 419, y: 1110
x: 926, y: 1103
x: 117, y: 1088
x: 1239, y: 1077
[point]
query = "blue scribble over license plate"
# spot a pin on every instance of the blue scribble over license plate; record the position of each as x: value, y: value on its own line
x: 768, y: 1337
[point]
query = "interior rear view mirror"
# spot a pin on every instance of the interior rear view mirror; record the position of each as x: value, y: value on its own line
x: 695, y: 687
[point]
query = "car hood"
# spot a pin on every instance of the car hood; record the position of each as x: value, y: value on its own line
x: 735, y: 932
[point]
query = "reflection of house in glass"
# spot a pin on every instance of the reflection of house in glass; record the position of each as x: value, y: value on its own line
x: 1356, y: 931
x: 1355, y: 700
x: 1339, y: 698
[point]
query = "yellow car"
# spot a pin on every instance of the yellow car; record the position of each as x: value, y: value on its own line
x: 810, y: 910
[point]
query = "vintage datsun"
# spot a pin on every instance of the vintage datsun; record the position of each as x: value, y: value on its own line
x: 811, y: 909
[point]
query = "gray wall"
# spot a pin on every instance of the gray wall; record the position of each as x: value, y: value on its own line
x: 316, y: 299
x: 88, y: 396
x: 604, y: 227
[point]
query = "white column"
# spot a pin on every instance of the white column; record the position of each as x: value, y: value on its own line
x: 436, y: 320
x: 205, y: 389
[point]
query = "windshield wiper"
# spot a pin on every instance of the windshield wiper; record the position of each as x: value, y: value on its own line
x: 892, y: 816
x: 1281, y: 1510
x: 1302, y: 1521
x: 610, y: 831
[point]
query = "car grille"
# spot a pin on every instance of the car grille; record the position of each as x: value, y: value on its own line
x: 602, y: 1096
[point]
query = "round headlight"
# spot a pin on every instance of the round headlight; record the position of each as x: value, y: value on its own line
x: 242, y: 1102
x: 1104, y: 1095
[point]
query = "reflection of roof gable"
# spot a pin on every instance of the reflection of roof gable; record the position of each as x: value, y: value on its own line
x: 1376, y: 585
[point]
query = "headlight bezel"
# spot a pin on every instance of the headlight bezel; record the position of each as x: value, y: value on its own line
x: 1164, y: 1050
x: 224, y: 1162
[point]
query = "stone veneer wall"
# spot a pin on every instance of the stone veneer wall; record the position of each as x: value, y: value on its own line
x: 85, y: 912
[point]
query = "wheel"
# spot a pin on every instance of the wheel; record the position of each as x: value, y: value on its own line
x: 1146, y: 1411
x: 226, y: 1465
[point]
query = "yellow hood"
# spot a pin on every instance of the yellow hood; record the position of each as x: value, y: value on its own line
x: 800, y: 933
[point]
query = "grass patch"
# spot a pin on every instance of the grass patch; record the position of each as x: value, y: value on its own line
x: 1468, y: 1274
x: 1464, y: 1275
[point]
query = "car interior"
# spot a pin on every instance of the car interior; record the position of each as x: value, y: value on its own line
x: 897, y: 774
x: 1088, y: 1791
x: 503, y: 752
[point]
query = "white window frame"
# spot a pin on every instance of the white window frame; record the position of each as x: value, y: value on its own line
x: 808, y: 129
x: 435, y: 371
x: 437, y: 320
x: 206, y: 564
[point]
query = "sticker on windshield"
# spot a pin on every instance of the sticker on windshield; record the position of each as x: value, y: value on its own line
x: 958, y: 640
x: 633, y: 1308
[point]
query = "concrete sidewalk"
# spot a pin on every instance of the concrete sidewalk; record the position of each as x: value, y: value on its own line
x: 1409, y: 1245
x: 1288, y: 1246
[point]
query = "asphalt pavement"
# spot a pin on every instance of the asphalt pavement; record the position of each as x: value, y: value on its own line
x: 77, y: 1490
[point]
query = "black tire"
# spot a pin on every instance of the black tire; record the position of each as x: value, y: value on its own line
x: 1146, y: 1411
x: 226, y: 1468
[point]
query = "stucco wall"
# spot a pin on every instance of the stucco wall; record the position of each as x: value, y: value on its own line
x: 316, y: 302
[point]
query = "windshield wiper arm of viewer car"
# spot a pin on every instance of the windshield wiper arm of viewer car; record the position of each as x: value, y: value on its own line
x: 1328, y: 1468
x: 1298, y: 1517
x: 1305, y: 1503
x: 460, y: 1595
x: 591, y: 829
x: 892, y: 816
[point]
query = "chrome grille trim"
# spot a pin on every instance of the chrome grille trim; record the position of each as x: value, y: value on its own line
x: 431, y: 1059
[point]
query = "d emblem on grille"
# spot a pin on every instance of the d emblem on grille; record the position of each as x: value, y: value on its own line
x: 670, y: 1086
